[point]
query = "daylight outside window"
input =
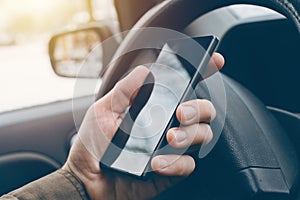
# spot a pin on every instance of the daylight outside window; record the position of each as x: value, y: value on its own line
x: 27, y: 78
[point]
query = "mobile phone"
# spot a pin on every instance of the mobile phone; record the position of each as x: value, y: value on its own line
x: 171, y: 81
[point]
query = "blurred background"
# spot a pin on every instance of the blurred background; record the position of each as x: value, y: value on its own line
x: 22, y: 21
x: 26, y: 75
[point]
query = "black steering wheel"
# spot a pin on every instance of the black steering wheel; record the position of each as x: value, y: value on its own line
x: 254, y: 158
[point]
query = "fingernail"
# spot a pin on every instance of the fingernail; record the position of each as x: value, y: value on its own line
x: 180, y: 136
x: 188, y: 112
x: 162, y: 163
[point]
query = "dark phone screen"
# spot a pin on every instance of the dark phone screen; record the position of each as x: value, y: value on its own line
x: 143, y: 127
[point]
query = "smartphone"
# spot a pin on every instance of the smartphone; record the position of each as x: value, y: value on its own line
x: 171, y: 81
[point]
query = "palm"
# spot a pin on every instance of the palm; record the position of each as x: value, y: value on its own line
x: 102, y: 121
x: 91, y: 145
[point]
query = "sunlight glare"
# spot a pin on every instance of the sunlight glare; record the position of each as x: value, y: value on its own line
x: 36, y: 6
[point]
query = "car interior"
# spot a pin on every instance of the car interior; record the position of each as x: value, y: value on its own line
x: 257, y: 153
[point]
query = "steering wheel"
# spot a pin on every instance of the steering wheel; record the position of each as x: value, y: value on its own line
x: 254, y: 158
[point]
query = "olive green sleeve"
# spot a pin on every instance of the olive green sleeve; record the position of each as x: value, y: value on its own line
x: 58, y: 185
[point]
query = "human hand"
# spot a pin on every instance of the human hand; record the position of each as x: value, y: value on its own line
x: 102, y: 121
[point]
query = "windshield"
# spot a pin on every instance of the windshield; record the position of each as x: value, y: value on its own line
x: 26, y: 74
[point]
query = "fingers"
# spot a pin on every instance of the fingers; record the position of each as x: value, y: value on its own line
x: 173, y: 165
x: 218, y: 60
x: 195, y: 111
x: 215, y: 64
x: 190, y: 114
x: 189, y: 135
x: 121, y: 95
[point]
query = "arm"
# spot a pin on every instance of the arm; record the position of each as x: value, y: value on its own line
x: 61, y: 184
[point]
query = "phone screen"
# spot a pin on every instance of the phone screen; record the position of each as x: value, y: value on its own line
x: 146, y: 120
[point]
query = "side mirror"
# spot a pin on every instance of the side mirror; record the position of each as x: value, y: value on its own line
x: 78, y: 53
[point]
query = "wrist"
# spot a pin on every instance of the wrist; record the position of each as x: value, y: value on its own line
x: 94, y: 184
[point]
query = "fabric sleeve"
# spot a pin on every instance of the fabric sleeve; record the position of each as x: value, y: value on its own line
x: 58, y: 185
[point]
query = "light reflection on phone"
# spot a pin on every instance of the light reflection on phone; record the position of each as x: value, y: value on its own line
x: 170, y: 82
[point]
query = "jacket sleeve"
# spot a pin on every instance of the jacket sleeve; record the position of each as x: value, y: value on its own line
x: 58, y: 185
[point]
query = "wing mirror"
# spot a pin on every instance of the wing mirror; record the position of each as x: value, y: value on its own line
x: 79, y: 53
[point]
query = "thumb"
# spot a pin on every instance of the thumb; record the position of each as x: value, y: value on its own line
x: 119, y: 98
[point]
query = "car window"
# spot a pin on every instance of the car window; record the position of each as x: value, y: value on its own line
x: 26, y: 76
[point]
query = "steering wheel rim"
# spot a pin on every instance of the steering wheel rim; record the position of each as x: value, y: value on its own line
x: 160, y: 17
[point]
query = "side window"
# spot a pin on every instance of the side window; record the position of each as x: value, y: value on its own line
x: 26, y: 75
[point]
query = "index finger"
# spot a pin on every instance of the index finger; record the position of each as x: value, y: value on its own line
x: 195, y: 111
x: 215, y: 64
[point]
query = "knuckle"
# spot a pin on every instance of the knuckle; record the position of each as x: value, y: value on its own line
x: 187, y: 166
x: 207, y: 110
x: 180, y: 169
x: 94, y: 109
x: 118, y: 84
x: 208, y: 133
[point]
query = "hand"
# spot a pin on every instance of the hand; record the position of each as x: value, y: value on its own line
x: 103, y: 119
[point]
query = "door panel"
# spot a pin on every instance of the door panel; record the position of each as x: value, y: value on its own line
x: 35, y: 141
